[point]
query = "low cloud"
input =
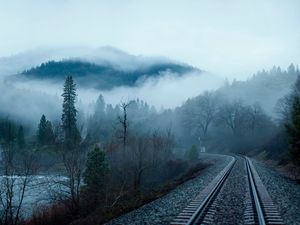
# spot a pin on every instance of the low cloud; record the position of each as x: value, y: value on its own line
x: 27, y: 100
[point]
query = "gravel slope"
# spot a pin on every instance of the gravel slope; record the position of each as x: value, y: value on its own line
x: 284, y: 192
x: 163, y: 210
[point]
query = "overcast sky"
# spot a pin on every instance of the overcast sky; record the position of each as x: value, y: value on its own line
x: 230, y: 37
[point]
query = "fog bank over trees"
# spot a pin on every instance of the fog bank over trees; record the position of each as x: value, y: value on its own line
x: 167, y: 91
x: 40, y: 96
x: 118, y: 151
x: 106, y: 106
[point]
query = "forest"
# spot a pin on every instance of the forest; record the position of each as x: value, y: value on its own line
x: 149, y: 112
x: 119, y: 157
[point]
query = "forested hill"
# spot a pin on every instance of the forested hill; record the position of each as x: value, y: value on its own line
x: 265, y: 87
x: 103, y: 76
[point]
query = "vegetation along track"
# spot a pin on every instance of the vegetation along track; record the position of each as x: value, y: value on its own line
x: 259, y: 209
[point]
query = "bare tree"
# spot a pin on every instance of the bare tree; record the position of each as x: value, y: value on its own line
x: 162, y: 144
x: 148, y: 153
x: 74, y: 165
x: 123, y: 120
x: 140, y: 160
x: 283, y: 107
x: 201, y: 112
x: 257, y: 119
x: 14, y: 183
x: 234, y: 116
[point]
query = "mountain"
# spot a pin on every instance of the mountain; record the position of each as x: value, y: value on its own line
x: 106, y: 55
x: 103, y: 76
x: 17, y: 63
x: 100, y: 68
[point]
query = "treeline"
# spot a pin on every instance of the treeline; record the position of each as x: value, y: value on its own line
x: 11, y: 133
x: 288, y: 136
x: 111, y: 162
x: 230, y: 119
x: 265, y: 87
x: 218, y: 125
x: 116, y: 154
x: 213, y: 121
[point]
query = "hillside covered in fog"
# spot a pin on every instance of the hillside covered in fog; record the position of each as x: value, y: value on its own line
x: 104, y: 77
x: 119, y: 76
x: 149, y: 112
x: 107, y: 57
x: 265, y: 87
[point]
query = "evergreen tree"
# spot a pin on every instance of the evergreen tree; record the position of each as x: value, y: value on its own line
x: 20, y: 137
x: 291, y: 69
x: 71, y: 132
x: 8, y: 141
x: 296, y: 89
x: 192, y: 153
x: 11, y: 133
x: 49, y: 133
x: 293, y: 130
x: 42, y: 130
x: 97, y: 124
x: 73, y: 159
x: 45, y: 134
x: 96, y: 168
x: 100, y: 107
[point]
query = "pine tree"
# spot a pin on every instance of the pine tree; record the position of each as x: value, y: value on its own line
x: 9, y: 141
x: 99, y: 107
x: 45, y: 135
x: 291, y: 69
x: 71, y: 154
x: 41, y: 136
x: 192, y: 153
x: 71, y: 132
x: 21, y: 138
x: 96, y: 167
x: 97, y: 123
x: 10, y: 133
x: 293, y: 130
x: 49, y: 133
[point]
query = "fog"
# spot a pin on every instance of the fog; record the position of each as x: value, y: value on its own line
x: 27, y: 105
x: 29, y: 99
x: 231, y: 38
x: 167, y: 91
x: 107, y: 105
x: 105, y: 55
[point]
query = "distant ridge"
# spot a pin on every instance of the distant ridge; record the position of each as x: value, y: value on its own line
x: 103, y: 76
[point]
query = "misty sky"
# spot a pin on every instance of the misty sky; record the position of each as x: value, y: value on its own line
x: 229, y: 37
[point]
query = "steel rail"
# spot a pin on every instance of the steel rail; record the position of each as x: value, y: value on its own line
x: 254, y: 192
x: 199, y: 213
x: 261, y: 210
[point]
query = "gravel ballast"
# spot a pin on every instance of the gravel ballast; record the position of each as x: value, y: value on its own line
x: 284, y: 192
x: 230, y: 202
x: 163, y: 210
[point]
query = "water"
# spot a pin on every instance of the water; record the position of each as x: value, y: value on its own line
x: 40, y: 190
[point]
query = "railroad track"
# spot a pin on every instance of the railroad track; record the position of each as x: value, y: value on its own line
x: 260, y: 208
